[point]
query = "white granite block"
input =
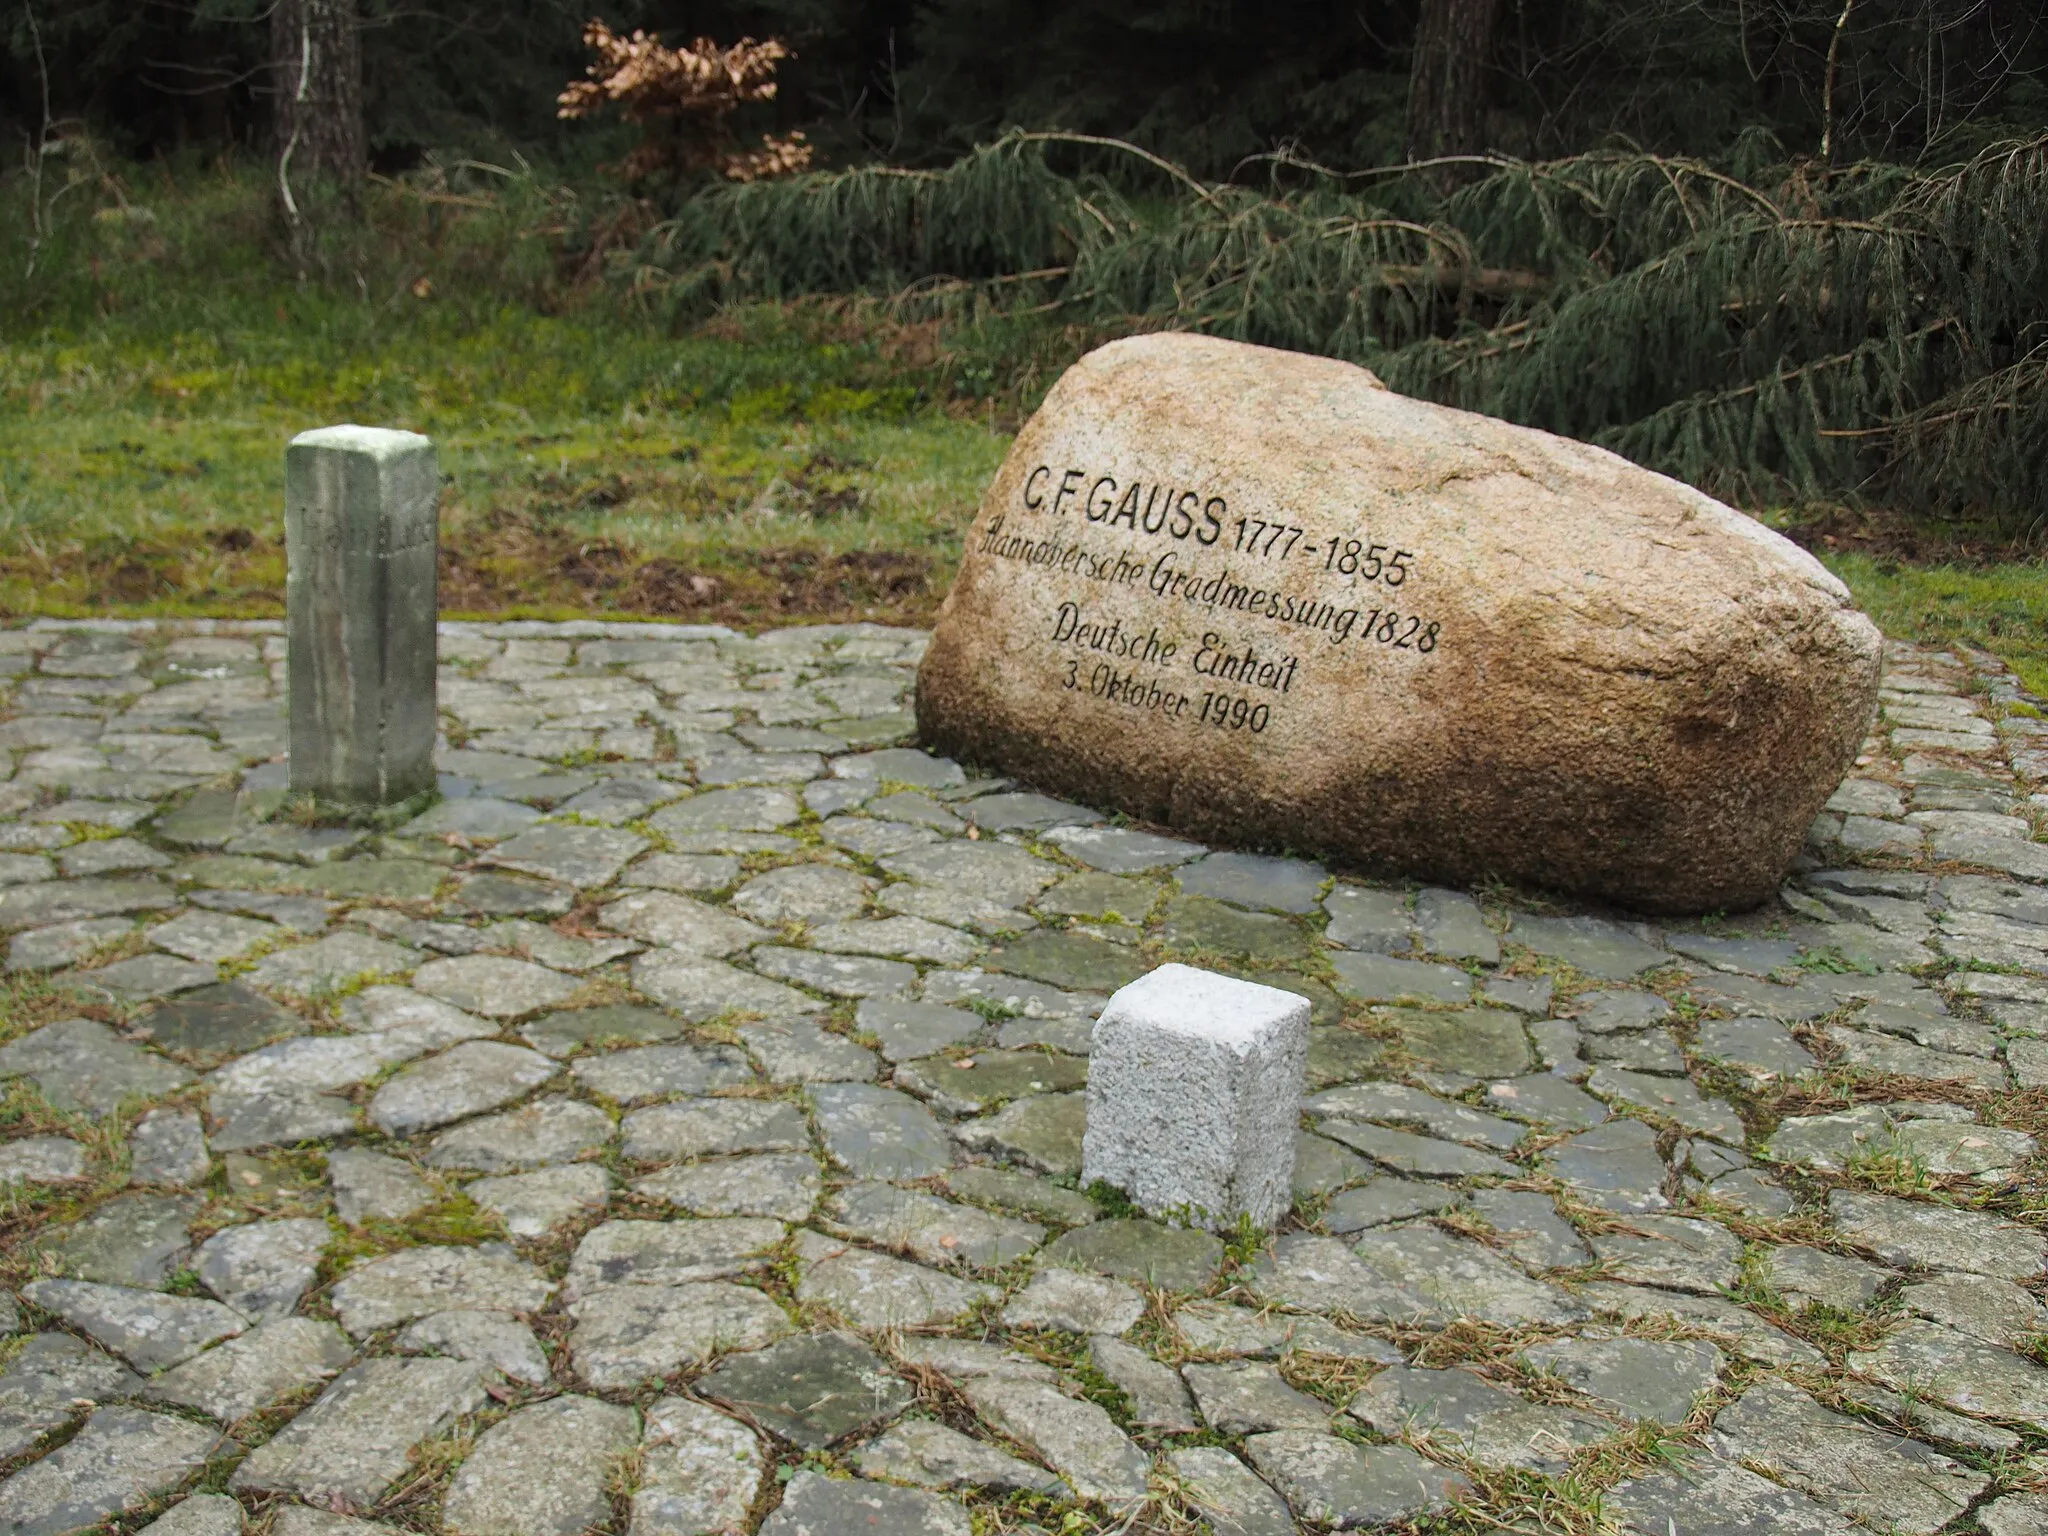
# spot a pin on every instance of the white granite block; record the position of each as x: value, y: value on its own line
x: 1194, y: 1089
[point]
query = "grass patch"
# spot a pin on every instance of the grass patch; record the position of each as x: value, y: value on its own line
x: 778, y: 463
x: 2001, y: 608
x: 1112, y: 1202
x: 1932, y: 580
x: 114, y: 501
x: 775, y: 463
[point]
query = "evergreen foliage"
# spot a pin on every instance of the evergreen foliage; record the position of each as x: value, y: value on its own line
x: 1872, y: 330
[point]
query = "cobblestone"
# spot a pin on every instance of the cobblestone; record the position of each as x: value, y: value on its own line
x: 855, y: 990
x: 1460, y: 1411
x: 700, y: 1471
x: 542, y: 1471
x: 122, y: 1460
x: 254, y: 1370
x: 491, y: 1338
x: 354, y: 1441
x: 810, y: 1391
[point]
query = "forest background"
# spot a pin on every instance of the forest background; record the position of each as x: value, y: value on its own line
x: 752, y: 357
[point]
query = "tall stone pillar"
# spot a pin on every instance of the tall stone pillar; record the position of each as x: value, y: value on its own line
x: 360, y: 542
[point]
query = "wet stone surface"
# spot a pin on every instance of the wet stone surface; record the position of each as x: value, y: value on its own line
x: 810, y: 1391
x: 712, y: 1105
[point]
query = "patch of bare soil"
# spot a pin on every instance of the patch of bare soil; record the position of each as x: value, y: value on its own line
x: 506, y: 560
x: 1886, y: 534
x: 501, y: 562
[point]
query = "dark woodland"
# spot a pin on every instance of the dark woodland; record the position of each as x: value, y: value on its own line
x: 1777, y: 247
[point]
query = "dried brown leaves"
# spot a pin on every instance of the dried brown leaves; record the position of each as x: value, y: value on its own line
x: 684, y: 97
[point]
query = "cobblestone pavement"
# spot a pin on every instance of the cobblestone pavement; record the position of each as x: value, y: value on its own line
x: 675, y: 1130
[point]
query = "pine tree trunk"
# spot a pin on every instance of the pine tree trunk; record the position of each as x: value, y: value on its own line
x: 317, y: 59
x: 1447, y: 79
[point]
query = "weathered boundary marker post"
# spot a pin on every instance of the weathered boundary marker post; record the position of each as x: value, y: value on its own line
x: 1194, y: 1088
x: 361, y: 537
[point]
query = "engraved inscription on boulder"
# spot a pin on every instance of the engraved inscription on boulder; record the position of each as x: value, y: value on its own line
x: 1259, y: 597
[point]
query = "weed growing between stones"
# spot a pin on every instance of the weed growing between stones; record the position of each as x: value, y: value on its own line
x: 1838, y: 1088
x: 271, y: 1188
x: 2025, y: 1111
x: 1891, y: 1172
x: 414, y: 1502
x: 1112, y: 1202
x: 1803, y: 1228
x: 994, y: 1011
x: 452, y: 1219
x: 28, y: 1001
x: 1331, y: 1378
x: 1243, y: 1243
